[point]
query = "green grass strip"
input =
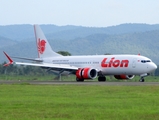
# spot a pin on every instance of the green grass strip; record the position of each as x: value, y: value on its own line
x: 78, y: 102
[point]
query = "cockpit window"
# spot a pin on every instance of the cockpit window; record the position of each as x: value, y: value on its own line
x: 144, y: 61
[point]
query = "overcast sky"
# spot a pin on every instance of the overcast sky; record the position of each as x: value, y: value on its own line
x: 93, y: 13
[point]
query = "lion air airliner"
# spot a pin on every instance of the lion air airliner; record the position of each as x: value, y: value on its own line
x: 87, y: 67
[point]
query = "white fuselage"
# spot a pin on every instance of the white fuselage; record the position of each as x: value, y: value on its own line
x: 108, y: 64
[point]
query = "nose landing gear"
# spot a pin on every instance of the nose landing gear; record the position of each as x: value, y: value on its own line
x: 142, y: 77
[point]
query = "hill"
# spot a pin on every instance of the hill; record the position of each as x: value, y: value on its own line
x: 78, y: 40
x: 23, y: 32
x: 4, y: 42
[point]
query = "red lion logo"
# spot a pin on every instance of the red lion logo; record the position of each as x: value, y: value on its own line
x: 41, y: 46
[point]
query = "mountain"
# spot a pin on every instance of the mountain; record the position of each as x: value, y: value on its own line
x: 4, y: 42
x: 23, y: 32
x: 79, y: 40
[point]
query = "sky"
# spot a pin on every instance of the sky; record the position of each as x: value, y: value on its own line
x: 90, y: 13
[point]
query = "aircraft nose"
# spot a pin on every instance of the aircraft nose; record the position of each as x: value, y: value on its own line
x: 153, y: 67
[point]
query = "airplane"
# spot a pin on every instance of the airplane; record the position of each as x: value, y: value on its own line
x: 86, y: 67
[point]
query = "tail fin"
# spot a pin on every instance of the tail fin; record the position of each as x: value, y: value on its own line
x: 43, y: 46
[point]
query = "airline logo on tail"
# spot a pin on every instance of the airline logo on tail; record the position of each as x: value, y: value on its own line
x: 41, y: 46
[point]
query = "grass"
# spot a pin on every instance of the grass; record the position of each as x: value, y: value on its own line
x: 78, y: 102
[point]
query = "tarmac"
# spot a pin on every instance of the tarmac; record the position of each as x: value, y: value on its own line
x: 122, y: 83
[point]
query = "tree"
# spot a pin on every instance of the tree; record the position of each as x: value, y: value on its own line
x: 107, y: 54
x: 64, y: 53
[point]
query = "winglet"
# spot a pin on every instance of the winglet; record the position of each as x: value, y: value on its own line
x: 10, y: 60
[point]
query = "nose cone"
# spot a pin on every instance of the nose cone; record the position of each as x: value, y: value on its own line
x: 152, y: 67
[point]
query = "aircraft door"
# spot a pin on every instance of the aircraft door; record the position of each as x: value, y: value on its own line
x: 134, y: 63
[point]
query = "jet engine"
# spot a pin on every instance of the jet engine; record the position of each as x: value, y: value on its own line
x: 86, y: 73
x: 129, y: 77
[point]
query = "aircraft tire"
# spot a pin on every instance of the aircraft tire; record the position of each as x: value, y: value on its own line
x: 102, y: 79
x: 79, y: 80
x: 142, y: 80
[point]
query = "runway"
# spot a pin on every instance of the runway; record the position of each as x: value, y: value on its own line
x: 123, y: 83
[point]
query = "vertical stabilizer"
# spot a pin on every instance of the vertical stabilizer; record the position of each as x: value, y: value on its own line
x: 43, y: 46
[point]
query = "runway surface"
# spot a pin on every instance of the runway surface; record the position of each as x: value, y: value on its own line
x: 123, y: 83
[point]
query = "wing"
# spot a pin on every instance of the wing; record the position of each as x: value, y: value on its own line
x: 41, y: 64
x: 60, y: 66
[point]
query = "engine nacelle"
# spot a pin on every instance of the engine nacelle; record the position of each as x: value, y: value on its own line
x: 86, y: 73
x: 129, y: 77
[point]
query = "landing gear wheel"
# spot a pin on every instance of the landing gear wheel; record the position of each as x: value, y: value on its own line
x: 102, y: 79
x: 142, y: 80
x: 79, y: 80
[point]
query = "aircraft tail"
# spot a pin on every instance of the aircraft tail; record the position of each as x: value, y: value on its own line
x: 43, y: 46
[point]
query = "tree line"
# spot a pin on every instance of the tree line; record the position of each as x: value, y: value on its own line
x: 21, y: 70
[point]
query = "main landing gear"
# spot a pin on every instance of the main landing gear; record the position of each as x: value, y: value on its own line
x: 101, y: 78
x: 79, y: 80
